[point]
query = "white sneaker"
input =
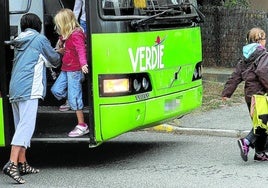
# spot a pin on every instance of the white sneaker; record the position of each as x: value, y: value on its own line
x: 65, y: 107
x: 79, y: 131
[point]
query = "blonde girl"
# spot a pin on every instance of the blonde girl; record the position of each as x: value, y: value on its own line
x: 74, y: 64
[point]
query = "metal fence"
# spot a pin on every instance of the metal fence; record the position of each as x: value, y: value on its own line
x: 224, y: 33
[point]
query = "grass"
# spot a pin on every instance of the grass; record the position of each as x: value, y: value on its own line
x: 212, y: 96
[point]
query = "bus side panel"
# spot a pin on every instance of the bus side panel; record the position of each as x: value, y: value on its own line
x: 120, y: 118
x: 173, y: 105
x: 128, y: 117
x: 2, y: 136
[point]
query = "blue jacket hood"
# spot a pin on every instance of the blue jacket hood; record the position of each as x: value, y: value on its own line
x: 24, y: 39
x: 249, y: 49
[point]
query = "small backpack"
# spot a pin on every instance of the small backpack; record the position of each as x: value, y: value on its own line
x: 259, y: 111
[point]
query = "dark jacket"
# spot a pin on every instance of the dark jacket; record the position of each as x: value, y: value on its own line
x: 254, y: 71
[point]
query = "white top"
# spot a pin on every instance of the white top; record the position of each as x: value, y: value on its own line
x: 78, y: 6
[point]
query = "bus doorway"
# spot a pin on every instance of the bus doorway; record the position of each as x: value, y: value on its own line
x: 52, y: 124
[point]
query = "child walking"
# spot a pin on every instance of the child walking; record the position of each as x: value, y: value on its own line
x: 253, y: 69
x: 74, y: 64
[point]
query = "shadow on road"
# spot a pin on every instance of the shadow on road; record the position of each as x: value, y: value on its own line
x: 77, y: 155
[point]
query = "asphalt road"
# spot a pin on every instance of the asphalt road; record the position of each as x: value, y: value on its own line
x: 145, y: 160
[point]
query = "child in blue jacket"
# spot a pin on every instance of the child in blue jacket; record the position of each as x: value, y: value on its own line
x: 32, y: 54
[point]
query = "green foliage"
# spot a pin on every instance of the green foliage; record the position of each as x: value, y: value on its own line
x: 236, y: 3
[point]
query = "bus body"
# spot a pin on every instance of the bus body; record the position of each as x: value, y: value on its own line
x: 144, y: 59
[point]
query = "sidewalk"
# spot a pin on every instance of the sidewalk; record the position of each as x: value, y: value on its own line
x: 226, y: 121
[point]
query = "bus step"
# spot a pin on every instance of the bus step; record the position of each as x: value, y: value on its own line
x: 59, y: 138
x: 51, y: 121
x: 55, y: 109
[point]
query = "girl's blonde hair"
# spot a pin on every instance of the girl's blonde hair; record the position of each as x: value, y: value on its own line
x: 255, y: 35
x: 66, y: 22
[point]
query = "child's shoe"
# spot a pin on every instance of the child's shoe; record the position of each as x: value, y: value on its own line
x: 65, y: 107
x: 79, y: 131
x: 244, y: 149
x: 12, y: 171
x: 261, y: 156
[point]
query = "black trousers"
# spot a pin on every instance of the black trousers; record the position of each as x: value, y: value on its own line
x: 258, y: 139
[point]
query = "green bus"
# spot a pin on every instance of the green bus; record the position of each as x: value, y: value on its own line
x: 144, y: 57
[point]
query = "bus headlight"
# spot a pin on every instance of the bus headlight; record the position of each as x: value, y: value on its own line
x: 111, y: 85
x: 115, y: 85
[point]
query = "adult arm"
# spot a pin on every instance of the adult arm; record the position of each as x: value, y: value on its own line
x: 80, y: 46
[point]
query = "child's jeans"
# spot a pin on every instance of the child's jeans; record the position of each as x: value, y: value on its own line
x: 69, y: 84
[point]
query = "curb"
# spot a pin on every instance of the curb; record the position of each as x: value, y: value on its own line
x: 199, y: 131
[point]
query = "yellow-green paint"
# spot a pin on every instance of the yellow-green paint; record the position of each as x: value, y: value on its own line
x: 2, y: 130
x: 116, y: 53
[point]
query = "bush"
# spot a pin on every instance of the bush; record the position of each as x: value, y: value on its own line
x: 236, y: 3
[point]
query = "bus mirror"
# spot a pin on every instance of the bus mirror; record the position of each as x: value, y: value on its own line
x: 140, y: 3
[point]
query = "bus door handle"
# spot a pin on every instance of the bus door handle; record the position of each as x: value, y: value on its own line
x: 9, y: 43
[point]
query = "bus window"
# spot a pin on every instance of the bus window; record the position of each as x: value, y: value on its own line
x: 164, y: 13
x: 16, y: 8
x: 117, y: 7
x: 142, y: 7
x: 19, y: 6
